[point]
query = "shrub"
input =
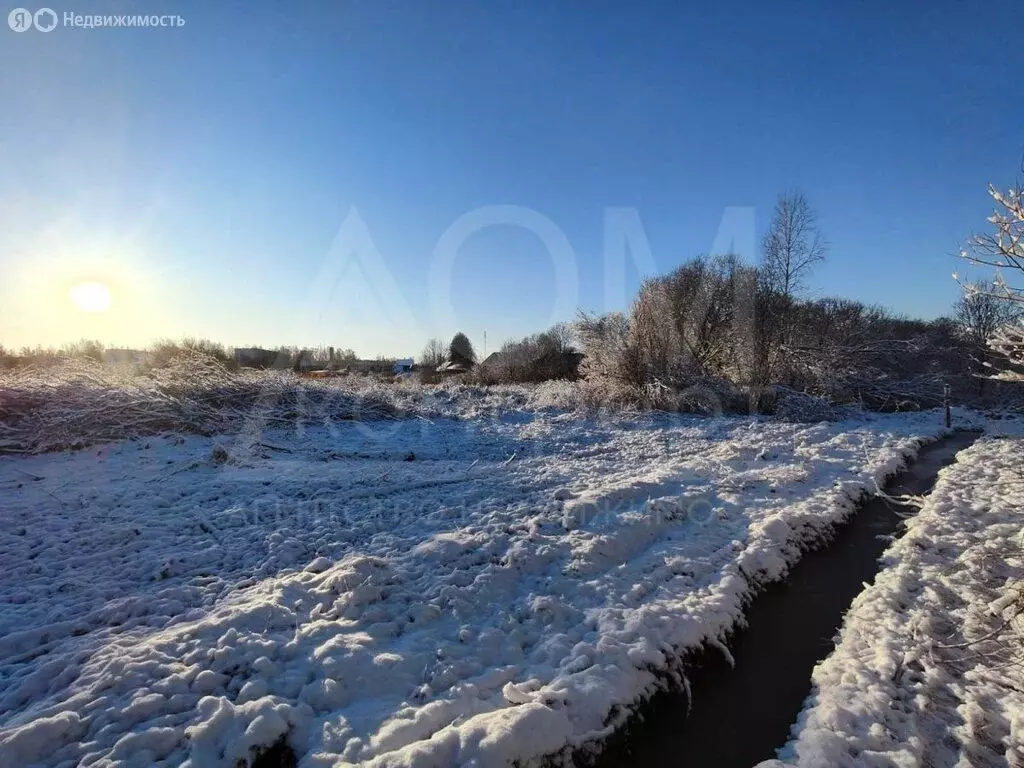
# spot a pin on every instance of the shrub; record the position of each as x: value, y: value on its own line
x: 792, y: 405
x: 717, y: 320
x: 165, y: 350
x: 540, y: 357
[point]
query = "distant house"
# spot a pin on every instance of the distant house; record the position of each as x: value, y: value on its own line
x: 403, y: 365
x: 451, y: 367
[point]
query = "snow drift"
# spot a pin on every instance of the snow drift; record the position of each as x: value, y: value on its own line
x: 406, y: 593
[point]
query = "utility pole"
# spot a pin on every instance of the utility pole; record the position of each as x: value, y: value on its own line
x: 485, y: 344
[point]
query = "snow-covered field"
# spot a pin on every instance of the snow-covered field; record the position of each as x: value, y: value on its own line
x: 404, y: 593
x: 930, y: 666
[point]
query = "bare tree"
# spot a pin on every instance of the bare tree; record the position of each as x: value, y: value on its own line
x: 1004, y: 247
x: 792, y: 245
x: 433, y: 354
x: 982, y: 311
x: 683, y: 323
x: 561, y: 337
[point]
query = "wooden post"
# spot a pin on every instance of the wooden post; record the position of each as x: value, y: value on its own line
x: 945, y: 400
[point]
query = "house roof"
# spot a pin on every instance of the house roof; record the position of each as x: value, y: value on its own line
x: 454, y: 366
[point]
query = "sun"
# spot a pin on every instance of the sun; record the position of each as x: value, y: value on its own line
x: 90, y: 297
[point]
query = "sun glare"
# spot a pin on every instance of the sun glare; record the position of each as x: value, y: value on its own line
x: 90, y: 297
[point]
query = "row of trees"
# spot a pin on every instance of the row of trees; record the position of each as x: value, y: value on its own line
x: 158, y: 354
x: 459, y: 350
x: 538, y: 357
x: 84, y: 349
x: 711, y: 316
x: 161, y: 352
x: 716, y: 320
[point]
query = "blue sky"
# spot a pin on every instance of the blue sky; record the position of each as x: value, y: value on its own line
x: 203, y: 173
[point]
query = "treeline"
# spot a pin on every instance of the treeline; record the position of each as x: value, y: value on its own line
x: 717, y: 329
x: 157, y: 354
x: 719, y: 334
x: 539, y: 357
x: 162, y: 352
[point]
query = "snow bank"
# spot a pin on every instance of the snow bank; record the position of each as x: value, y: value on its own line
x: 406, y: 593
x: 928, y: 669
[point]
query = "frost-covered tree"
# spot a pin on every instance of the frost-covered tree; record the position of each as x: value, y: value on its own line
x: 1008, y: 341
x: 687, y: 322
x: 611, y: 353
x: 87, y: 349
x: 792, y: 245
x: 1003, y: 249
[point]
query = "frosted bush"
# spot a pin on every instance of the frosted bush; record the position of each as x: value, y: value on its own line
x: 794, y: 406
